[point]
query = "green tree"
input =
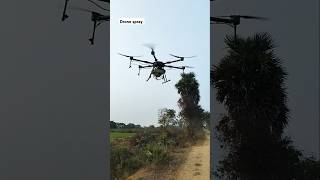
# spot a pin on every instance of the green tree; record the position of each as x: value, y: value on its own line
x: 250, y: 82
x: 113, y: 125
x: 167, y: 117
x: 205, y: 117
x: 130, y: 126
x: 188, y: 88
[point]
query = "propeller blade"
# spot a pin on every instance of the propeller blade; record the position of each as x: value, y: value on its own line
x: 222, y: 16
x: 245, y: 17
x: 151, y: 46
x: 182, y: 56
x: 187, y: 66
x: 128, y: 55
x: 98, y: 5
x: 254, y: 17
x: 108, y: 1
x: 221, y: 20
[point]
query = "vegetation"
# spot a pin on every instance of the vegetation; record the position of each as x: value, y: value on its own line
x: 120, y: 135
x: 115, y: 125
x: 167, y: 117
x: 134, y: 147
x: 250, y: 82
x: 191, y: 111
x: 153, y: 146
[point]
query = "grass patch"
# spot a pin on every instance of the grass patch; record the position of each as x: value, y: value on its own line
x: 120, y: 135
x: 150, y: 147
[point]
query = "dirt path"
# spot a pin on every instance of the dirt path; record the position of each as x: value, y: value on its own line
x: 197, y: 164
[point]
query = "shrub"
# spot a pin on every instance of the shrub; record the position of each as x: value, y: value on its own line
x: 156, y: 153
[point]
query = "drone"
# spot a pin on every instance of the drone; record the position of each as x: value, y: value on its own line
x: 233, y: 20
x: 96, y: 18
x: 158, y: 67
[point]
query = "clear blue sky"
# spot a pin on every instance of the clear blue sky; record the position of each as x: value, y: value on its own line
x: 179, y: 27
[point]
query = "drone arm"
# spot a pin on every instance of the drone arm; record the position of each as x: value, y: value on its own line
x: 220, y: 20
x: 94, y: 31
x: 169, y: 62
x: 150, y: 75
x: 154, y: 56
x: 64, y: 15
x: 141, y: 67
x: 107, y: 1
x: 175, y: 67
x: 134, y: 59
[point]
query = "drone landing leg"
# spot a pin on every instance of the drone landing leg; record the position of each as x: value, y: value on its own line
x: 65, y: 16
x: 93, y: 33
x: 165, y: 79
x: 149, y: 75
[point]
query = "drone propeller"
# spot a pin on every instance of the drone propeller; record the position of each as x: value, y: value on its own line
x: 128, y: 55
x: 246, y: 17
x: 181, y: 57
x: 131, y: 58
x: 98, y: 5
x: 152, y: 47
x: 187, y: 66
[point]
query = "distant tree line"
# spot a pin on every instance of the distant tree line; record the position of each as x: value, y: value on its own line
x: 116, y: 125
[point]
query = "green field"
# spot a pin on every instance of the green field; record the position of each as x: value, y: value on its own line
x: 120, y: 135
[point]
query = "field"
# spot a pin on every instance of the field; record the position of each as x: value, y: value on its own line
x: 120, y: 135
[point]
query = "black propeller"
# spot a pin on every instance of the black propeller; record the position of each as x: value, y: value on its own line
x: 187, y: 66
x: 246, y: 17
x: 152, y: 47
x: 233, y: 20
x: 182, y: 57
x: 131, y: 57
x: 98, y: 5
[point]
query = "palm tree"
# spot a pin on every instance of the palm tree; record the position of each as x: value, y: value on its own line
x: 188, y: 88
x: 250, y: 82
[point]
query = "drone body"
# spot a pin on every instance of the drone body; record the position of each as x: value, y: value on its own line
x: 158, y: 67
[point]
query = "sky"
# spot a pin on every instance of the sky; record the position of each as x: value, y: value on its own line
x: 294, y: 25
x: 178, y: 27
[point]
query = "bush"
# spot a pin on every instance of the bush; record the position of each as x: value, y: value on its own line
x: 148, y: 147
x: 168, y: 137
x: 156, y: 153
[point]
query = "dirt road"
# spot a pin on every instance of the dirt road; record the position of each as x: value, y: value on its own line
x: 197, y: 164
